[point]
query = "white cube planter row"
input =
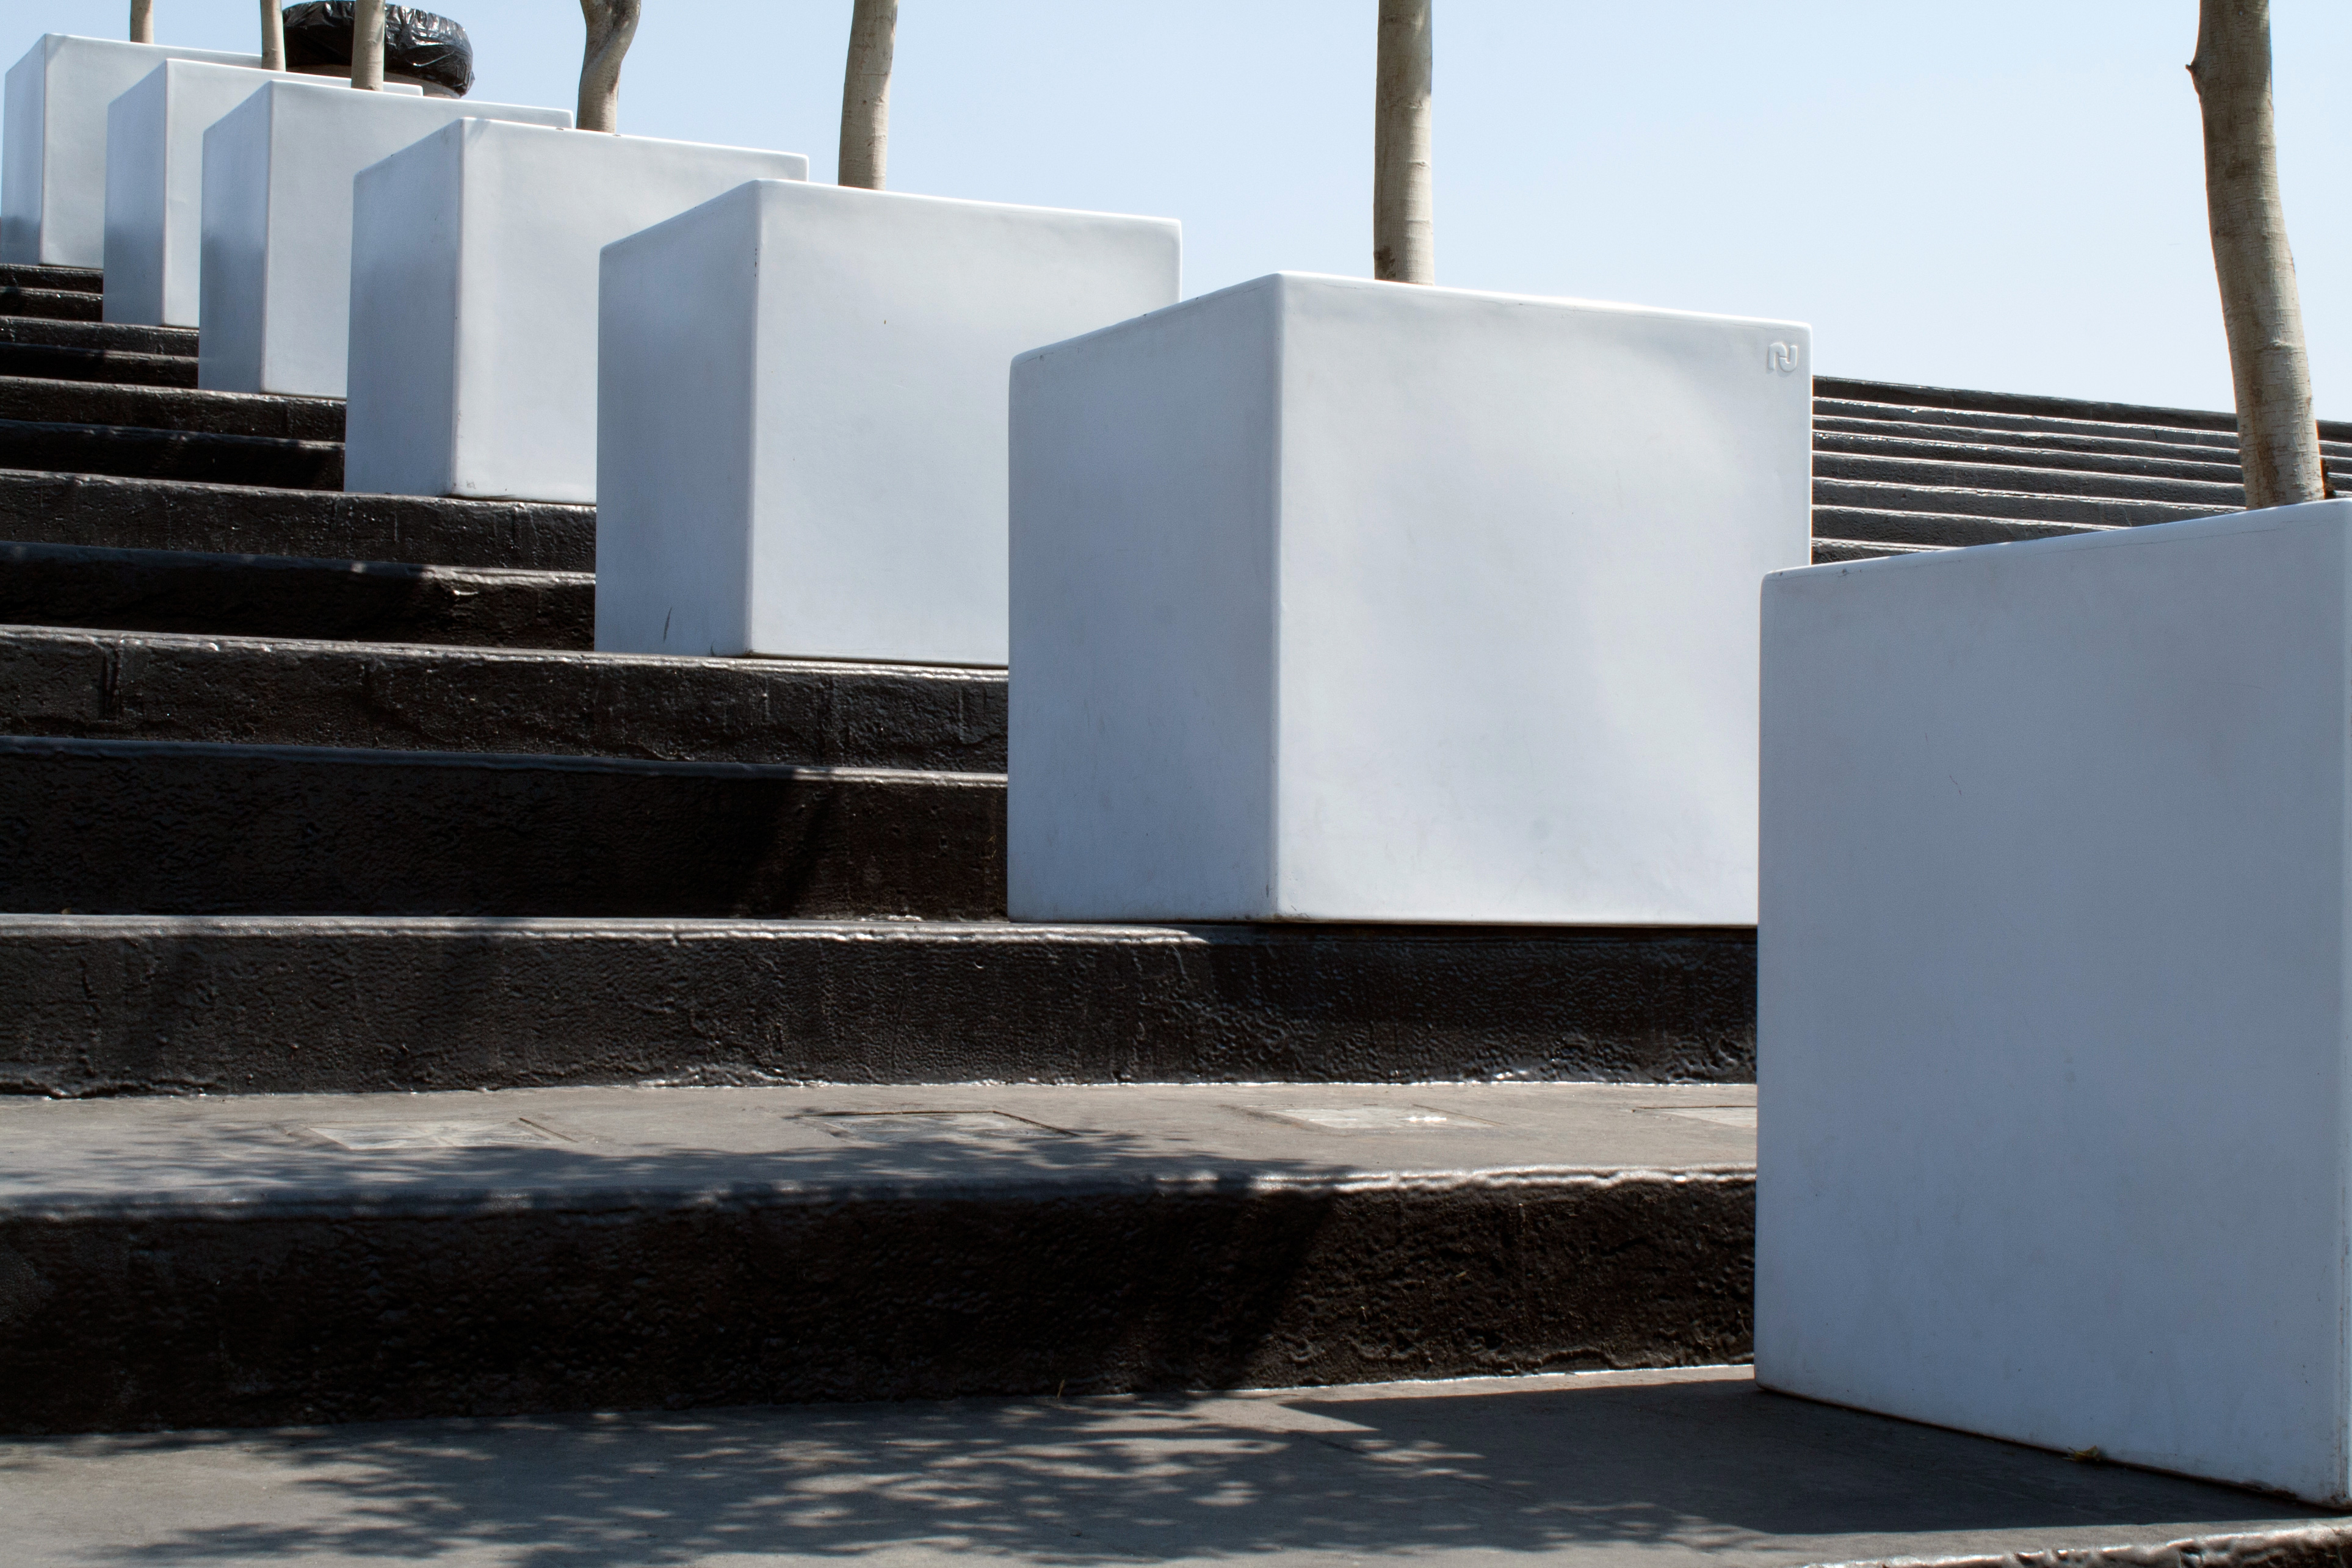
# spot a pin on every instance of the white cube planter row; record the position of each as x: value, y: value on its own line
x: 154, y: 185
x: 277, y: 265
x: 473, y: 298
x: 803, y: 437
x: 2055, y: 1051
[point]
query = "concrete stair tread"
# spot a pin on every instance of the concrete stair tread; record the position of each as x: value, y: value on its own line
x: 1992, y: 404
x: 55, y: 304
x: 52, y: 362
x: 112, y: 511
x: 2102, y: 484
x: 63, y: 446
x: 115, y: 1005
x: 2217, y: 448
x: 176, y: 409
x: 175, y: 341
x: 1950, y: 448
x: 78, y: 279
x: 1935, y: 529
x: 1827, y: 552
x: 1987, y: 500
x: 251, y: 691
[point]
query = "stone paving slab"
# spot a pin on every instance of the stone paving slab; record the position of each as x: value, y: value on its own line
x: 1655, y: 1469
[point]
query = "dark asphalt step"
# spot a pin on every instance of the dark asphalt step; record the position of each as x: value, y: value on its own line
x: 2020, y: 502
x: 174, y: 828
x: 323, y: 1260
x: 133, y: 453
x: 1952, y: 446
x: 133, y: 685
x: 1964, y: 400
x: 278, y: 596
x: 156, y: 408
x: 105, y: 512
x: 2057, y: 483
x: 113, y: 337
x: 78, y: 279
x: 1930, y: 531
x: 108, y: 1006
x: 50, y: 362
x: 52, y: 304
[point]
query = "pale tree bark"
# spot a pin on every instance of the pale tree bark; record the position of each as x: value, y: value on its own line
x: 610, y: 25
x: 273, y: 36
x: 367, y: 45
x: 143, y: 21
x: 1404, y: 223
x: 2278, y: 439
x: 865, y: 94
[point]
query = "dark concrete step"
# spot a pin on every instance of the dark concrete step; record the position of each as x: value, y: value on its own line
x: 174, y: 828
x: 112, y: 337
x: 1931, y: 530
x: 102, y: 510
x: 278, y: 596
x: 75, y: 280
x: 1964, y: 400
x: 108, y: 1006
x: 1828, y: 550
x: 51, y: 304
x: 1969, y: 501
x: 323, y: 1260
x: 50, y: 362
x: 137, y: 453
x: 131, y: 685
x: 1999, y: 457
x: 2222, y: 451
x: 2038, y: 481
x: 155, y: 408
x: 2219, y: 444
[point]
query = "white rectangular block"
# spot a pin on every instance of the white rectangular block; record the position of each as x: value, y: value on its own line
x: 154, y: 185
x: 52, y: 143
x: 801, y: 414
x: 2052, y: 1035
x: 276, y: 292
x: 473, y: 324
x: 1335, y: 600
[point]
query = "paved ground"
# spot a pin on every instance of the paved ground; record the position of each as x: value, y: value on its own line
x: 1652, y: 1469
x: 276, y: 1150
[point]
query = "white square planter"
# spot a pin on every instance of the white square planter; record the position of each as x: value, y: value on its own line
x: 53, y: 145
x: 277, y: 284
x: 1347, y: 600
x: 2055, y: 1075
x: 154, y: 185
x: 801, y: 416
x: 473, y: 356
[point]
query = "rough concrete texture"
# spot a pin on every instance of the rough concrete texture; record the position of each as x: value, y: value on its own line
x: 339, y: 1258
x: 144, y: 454
x: 133, y: 686
x: 92, y: 1005
x: 155, y: 408
x: 1668, y: 1470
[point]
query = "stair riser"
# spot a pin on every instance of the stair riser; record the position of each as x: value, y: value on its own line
x: 170, y: 455
x: 125, y: 828
x: 50, y: 304
x: 206, y: 412
x: 47, y: 362
x: 244, y: 596
x: 445, y: 699
x: 178, y: 341
x: 125, y: 1323
x: 101, y: 511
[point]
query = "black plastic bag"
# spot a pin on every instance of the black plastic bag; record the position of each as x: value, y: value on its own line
x: 416, y: 44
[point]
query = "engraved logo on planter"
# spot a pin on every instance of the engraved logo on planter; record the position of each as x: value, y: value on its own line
x: 1782, y: 357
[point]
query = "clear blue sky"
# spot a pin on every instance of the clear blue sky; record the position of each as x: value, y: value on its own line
x: 2002, y: 193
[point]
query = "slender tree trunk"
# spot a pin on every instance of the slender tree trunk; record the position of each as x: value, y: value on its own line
x: 2278, y: 439
x: 865, y: 93
x: 611, y: 24
x: 273, y: 36
x: 143, y: 21
x: 1404, y: 223
x: 367, y: 45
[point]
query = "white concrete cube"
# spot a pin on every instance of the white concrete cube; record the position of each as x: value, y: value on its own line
x: 52, y: 142
x: 2054, y: 1047
x: 276, y: 290
x: 1335, y: 600
x: 801, y: 414
x: 473, y: 326
x: 154, y: 185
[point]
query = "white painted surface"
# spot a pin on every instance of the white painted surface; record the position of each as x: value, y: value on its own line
x: 275, y: 288
x: 1350, y: 601
x: 53, y: 145
x: 2052, y: 1028
x: 473, y: 321
x: 801, y: 443
x: 154, y: 185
